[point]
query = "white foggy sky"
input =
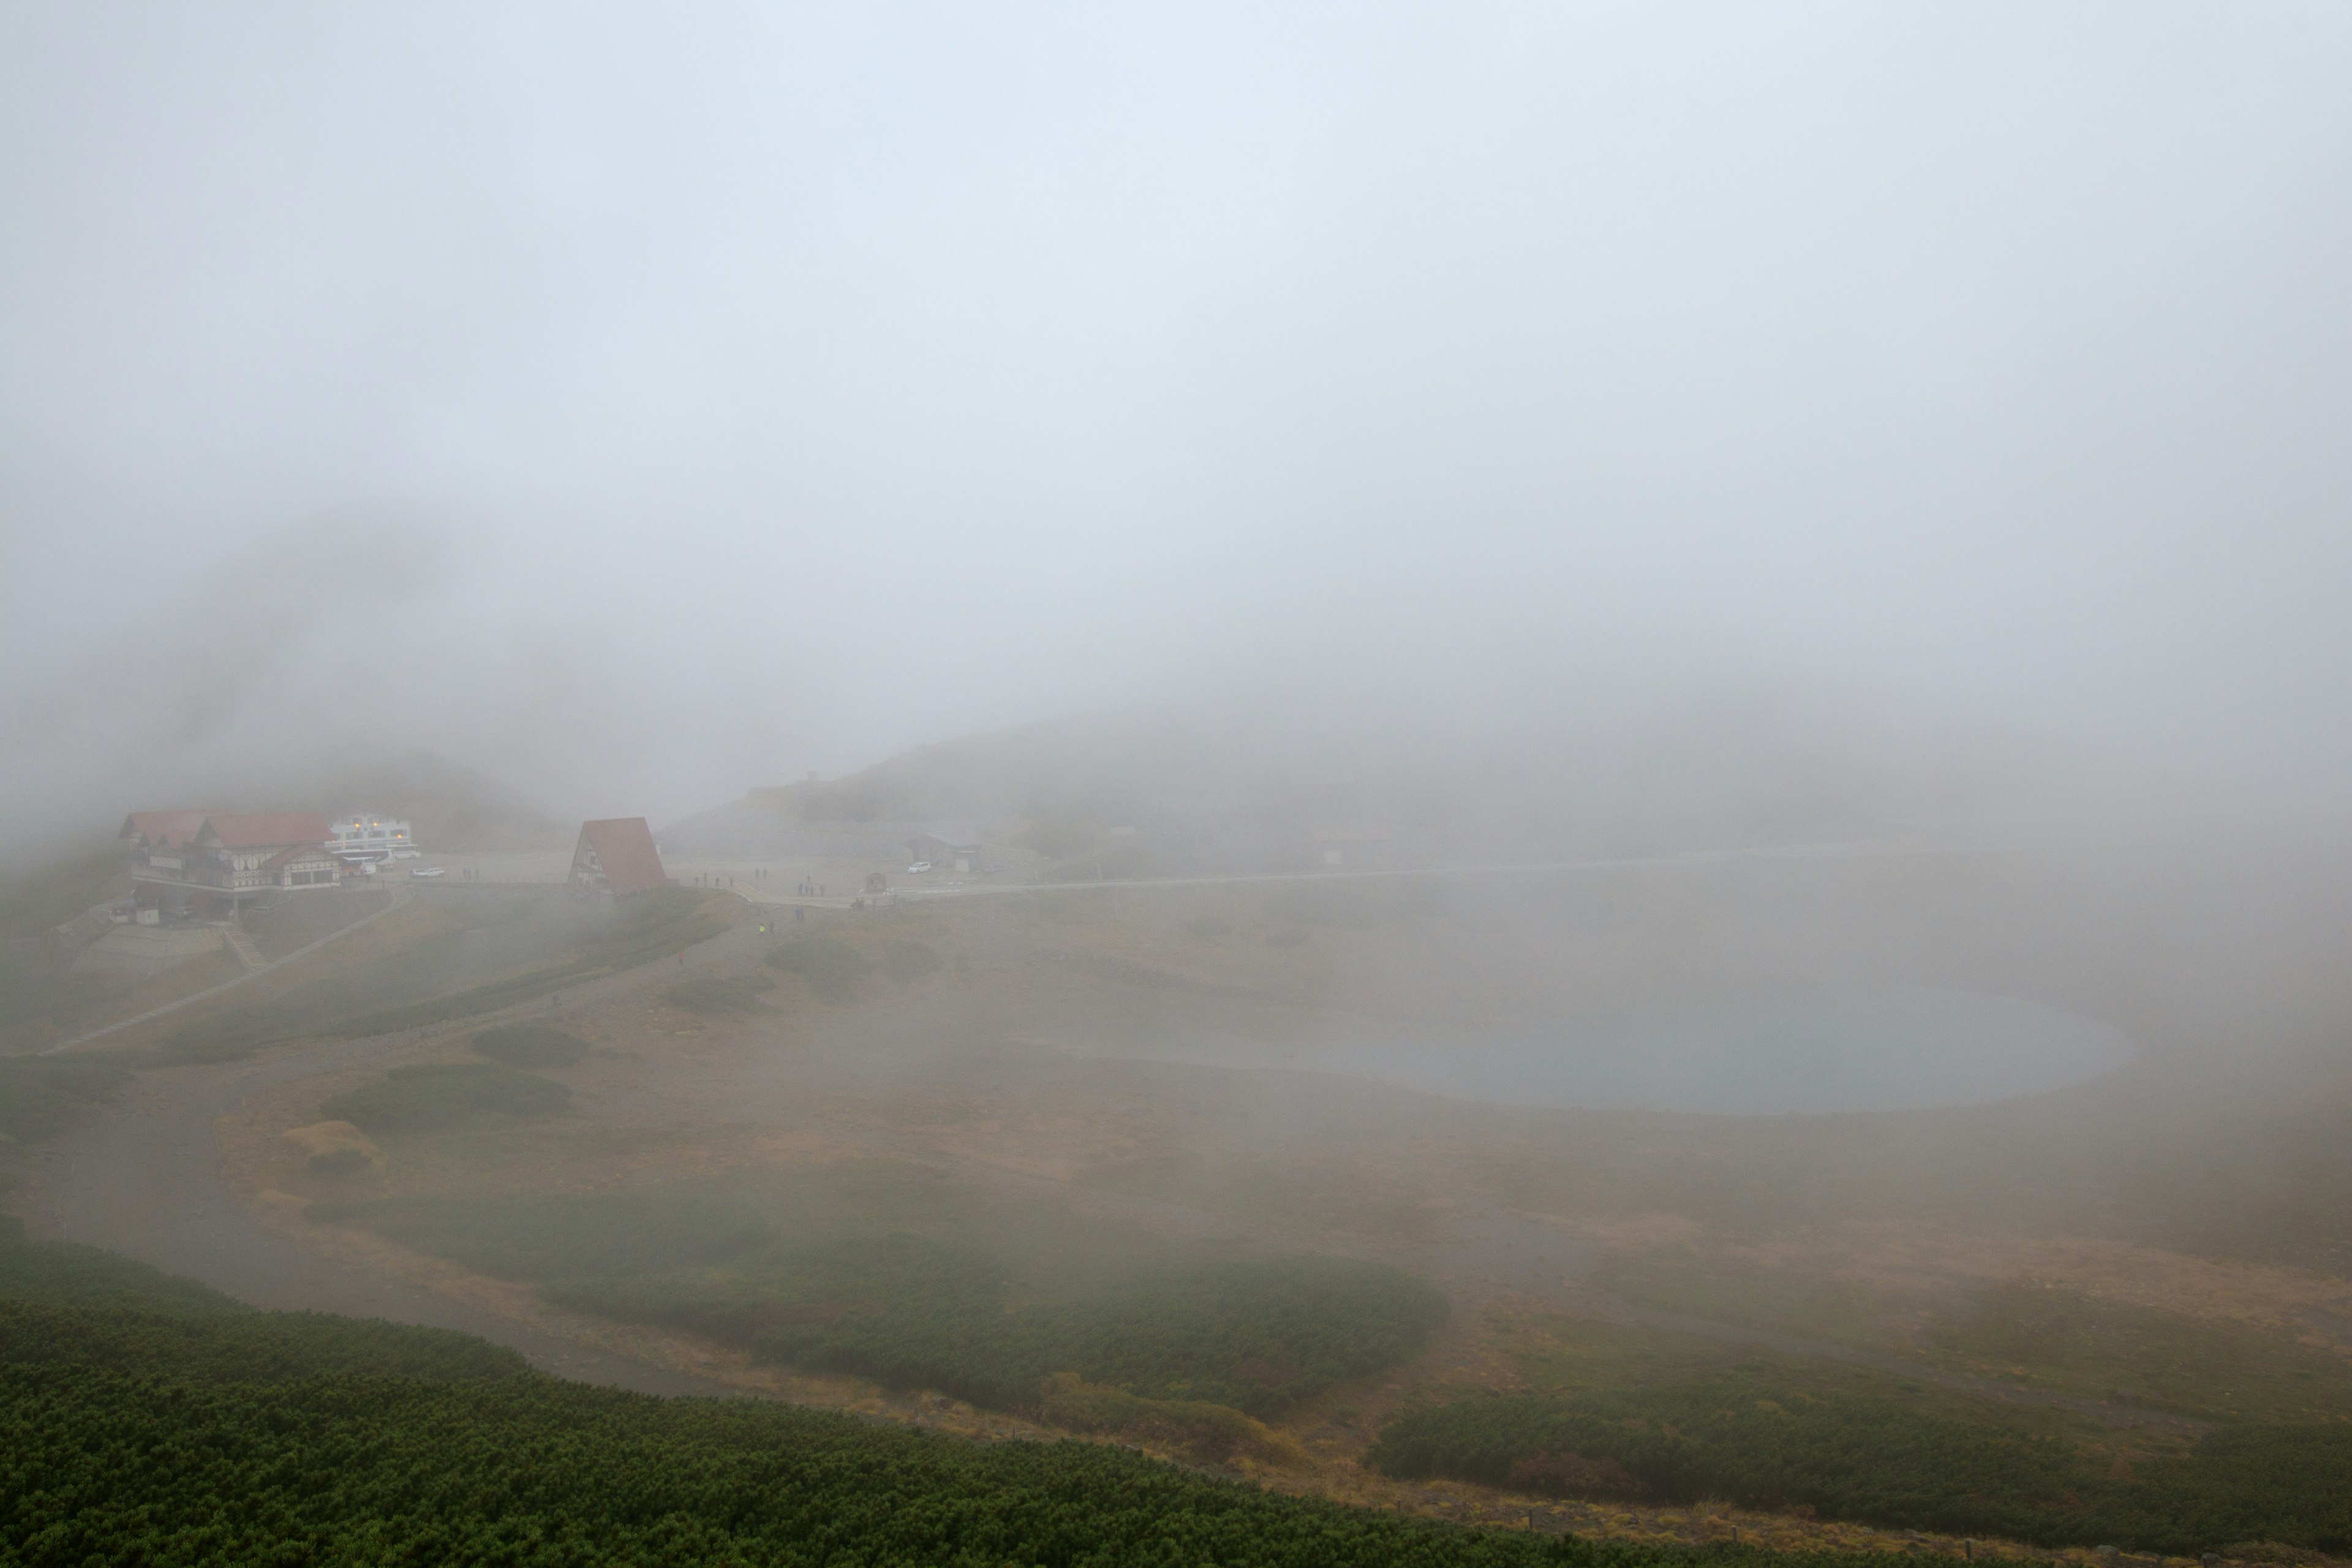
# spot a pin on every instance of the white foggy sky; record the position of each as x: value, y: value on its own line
x: 722, y: 392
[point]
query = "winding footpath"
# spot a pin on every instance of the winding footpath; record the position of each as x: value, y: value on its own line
x: 143, y: 1177
x: 253, y: 972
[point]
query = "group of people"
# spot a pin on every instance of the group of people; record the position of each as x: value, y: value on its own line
x: 805, y: 889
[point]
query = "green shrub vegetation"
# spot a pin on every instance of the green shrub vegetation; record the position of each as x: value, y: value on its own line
x: 113, y: 1468
x: 1876, y: 1456
x: 529, y: 1045
x: 1210, y: 1431
x: 138, y: 1426
x: 1641, y: 1413
x: 247, y: 1347
x: 1252, y: 1334
x: 564, y: 1235
x: 66, y: 1305
x: 831, y: 966
x: 64, y: 1274
x: 2106, y: 1350
x: 42, y: 1096
x: 904, y: 960
x: 437, y: 1095
x: 719, y: 995
x: 2054, y: 1337
x: 1735, y: 1290
x: 43, y: 1003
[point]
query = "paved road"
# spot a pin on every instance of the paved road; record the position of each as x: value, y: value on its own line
x: 399, y: 897
x: 1867, y: 850
x: 142, y: 1177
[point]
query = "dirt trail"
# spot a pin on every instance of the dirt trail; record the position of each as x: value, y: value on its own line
x: 143, y: 1177
x: 255, y: 968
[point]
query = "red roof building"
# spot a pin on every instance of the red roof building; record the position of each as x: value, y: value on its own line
x: 214, y: 858
x: 616, y: 854
x: 144, y: 832
x: 241, y: 853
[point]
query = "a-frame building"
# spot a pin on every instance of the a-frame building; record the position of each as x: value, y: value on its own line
x: 614, y: 855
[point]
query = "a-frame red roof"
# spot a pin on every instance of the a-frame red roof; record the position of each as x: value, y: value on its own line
x: 164, y: 827
x: 625, y: 853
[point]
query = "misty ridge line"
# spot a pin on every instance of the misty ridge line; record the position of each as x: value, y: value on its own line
x: 643, y: 434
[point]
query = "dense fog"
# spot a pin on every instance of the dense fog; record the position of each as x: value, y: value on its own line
x: 644, y: 406
x: 1208, y: 784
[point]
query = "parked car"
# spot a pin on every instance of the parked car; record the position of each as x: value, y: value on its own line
x: 919, y: 867
x: 426, y: 871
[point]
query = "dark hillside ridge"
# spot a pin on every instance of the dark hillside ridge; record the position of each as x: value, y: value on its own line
x: 451, y: 807
x: 1877, y: 1459
x: 66, y: 1305
x: 1259, y: 787
x: 140, y: 1429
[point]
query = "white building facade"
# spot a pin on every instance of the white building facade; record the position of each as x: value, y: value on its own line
x: 366, y: 837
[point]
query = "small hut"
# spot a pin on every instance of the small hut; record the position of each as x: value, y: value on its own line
x: 615, y: 856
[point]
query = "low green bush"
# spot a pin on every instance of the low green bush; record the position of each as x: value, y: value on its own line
x: 146, y: 1419
x: 42, y: 1096
x: 2100, y: 1349
x: 246, y: 1347
x: 904, y: 960
x: 71, y: 1305
x: 719, y: 995
x: 342, y: 1163
x: 1880, y: 1459
x: 529, y: 1045
x: 105, y: 1467
x: 831, y: 966
x: 1254, y: 1334
x: 67, y: 1274
x: 606, y: 1234
x: 437, y: 1095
